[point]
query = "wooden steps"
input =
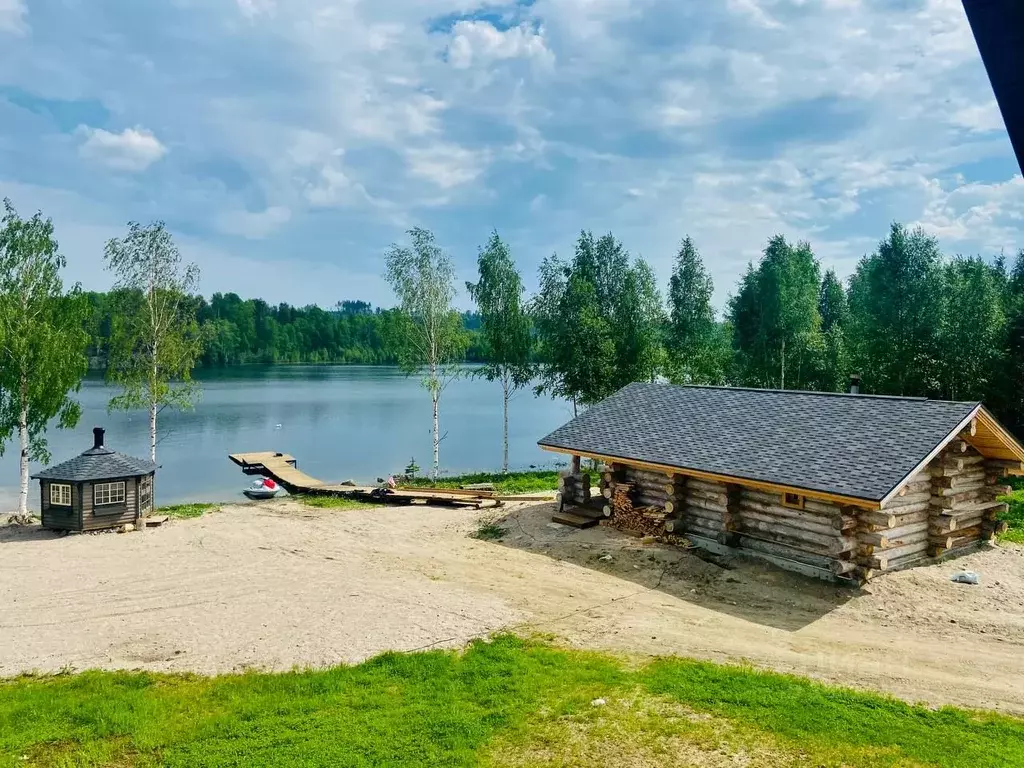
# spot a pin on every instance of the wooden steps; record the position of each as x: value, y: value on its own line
x: 574, y: 519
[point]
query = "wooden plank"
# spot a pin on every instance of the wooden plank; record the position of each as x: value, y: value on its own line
x: 574, y: 520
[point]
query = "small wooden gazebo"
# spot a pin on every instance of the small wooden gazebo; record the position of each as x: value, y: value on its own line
x: 99, y: 488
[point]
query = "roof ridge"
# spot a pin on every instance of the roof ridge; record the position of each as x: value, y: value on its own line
x: 861, y: 395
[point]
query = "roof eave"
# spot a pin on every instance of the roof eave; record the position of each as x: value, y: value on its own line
x: 811, y: 493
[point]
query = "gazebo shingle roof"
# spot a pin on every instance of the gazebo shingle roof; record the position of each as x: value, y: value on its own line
x: 97, y: 464
x: 852, y: 445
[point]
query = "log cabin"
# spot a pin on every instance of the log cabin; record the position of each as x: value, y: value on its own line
x: 97, y: 489
x: 831, y: 485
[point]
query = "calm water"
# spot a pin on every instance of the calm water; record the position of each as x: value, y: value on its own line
x: 340, y: 422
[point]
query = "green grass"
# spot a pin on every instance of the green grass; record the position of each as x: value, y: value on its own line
x: 490, y: 532
x: 1014, y: 516
x: 332, y: 502
x: 188, y: 510
x: 510, y: 484
x: 504, y: 702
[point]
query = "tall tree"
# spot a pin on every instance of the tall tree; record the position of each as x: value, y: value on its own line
x: 692, y: 333
x: 432, y: 338
x: 1007, y: 385
x: 639, y: 321
x: 834, y: 310
x: 896, y: 312
x: 155, y: 340
x: 575, y: 342
x: 505, y: 326
x: 775, y: 317
x: 42, y: 332
x: 971, y: 330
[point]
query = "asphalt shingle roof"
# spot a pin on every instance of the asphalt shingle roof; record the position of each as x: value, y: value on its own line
x: 850, y: 445
x: 97, y: 464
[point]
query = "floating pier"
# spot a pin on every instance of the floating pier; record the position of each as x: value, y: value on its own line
x: 280, y: 467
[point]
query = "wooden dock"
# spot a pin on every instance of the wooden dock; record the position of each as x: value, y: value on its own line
x: 280, y: 467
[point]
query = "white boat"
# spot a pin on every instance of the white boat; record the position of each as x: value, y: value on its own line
x: 264, y: 488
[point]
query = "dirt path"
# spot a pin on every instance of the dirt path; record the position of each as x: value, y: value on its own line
x: 280, y: 585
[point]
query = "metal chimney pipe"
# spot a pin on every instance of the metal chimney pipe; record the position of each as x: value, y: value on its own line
x: 97, y: 437
x: 855, y: 384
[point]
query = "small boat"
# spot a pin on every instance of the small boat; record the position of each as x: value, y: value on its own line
x: 265, y: 488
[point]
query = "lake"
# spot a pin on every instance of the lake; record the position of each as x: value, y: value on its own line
x: 340, y: 422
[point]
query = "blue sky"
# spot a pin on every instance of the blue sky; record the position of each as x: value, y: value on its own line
x: 287, y: 143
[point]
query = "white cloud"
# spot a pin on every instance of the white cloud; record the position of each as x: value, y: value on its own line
x: 446, y: 165
x: 481, y: 43
x: 134, y: 149
x: 980, y: 117
x: 752, y: 10
x: 12, y: 16
x: 991, y: 215
x: 253, y: 226
x: 253, y: 8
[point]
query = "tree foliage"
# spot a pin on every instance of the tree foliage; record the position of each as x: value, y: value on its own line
x: 694, y: 342
x: 834, y: 364
x: 430, y: 336
x: 971, y: 330
x: 775, y: 317
x: 155, y: 339
x: 505, y: 325
x: 896, y: 314
x: 43, y: 340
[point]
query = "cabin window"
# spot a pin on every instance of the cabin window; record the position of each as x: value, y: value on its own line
x: 60, y: 495
x: 108, y: 493
x: 793, y: 500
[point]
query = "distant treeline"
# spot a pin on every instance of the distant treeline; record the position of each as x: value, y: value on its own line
x: 238, y: 331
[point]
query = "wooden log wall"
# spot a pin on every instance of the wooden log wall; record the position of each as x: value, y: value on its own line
x: 574, y: 488
x: 704, y: 510
x: 964, y: 507
x: 821, y: 534
x: 897, y: 535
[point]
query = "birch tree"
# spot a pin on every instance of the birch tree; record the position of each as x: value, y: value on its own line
x: 692, y: 333
x: 43, y: 337
x: 505, y: 326
x: 433, y: 342
x: 155, y: 341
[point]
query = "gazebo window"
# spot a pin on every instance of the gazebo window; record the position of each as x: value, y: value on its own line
x: 108, y: 493
x: 60, y: 494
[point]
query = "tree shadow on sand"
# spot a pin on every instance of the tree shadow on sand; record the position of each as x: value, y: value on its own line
x: 736, y: 585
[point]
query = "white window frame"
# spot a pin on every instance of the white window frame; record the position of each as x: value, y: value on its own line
x: 57, y: 500
x: 114, y: 492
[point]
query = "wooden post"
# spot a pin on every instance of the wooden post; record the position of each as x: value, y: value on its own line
x: 728, y: 536
x: 574, y: 467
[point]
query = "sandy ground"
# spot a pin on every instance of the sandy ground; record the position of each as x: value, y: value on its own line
x: 278, y: 585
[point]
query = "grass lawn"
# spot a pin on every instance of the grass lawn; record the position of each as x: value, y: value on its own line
x: 332, y: 502
x: 512, y: 483
x: 1014, y: 516
x: 187, y: 510
x: 507, y: 702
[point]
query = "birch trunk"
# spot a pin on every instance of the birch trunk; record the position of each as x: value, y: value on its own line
x: 434, y: 396
x: 504, y: 453
x: 152, y: 432
x: 783, y: 365
x: 23, y: 439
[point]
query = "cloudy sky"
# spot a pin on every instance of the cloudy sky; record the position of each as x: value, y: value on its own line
x: 287, y: 142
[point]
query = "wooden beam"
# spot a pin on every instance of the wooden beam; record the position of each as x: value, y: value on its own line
x: 714, y: 477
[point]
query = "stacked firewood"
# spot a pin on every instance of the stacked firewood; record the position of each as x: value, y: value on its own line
x: 964, y: 504
x: 574, y: 488
x: 816, y: 533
